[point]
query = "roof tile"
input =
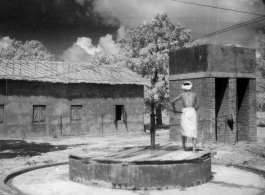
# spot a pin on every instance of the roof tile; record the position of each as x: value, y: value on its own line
x: 62, y: 72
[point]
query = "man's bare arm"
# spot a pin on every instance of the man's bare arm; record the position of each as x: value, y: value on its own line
x: 197, y: 104
x: 176, y: 99
x: 173, y: 102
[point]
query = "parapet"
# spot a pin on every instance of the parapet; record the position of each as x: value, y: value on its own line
x: 212, y: 61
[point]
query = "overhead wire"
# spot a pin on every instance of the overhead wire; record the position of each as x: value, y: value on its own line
x: 231, y: 28
x: 226, y: 9
x: 222, y: 8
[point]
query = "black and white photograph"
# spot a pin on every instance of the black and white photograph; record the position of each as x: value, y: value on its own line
x: 132, y: 97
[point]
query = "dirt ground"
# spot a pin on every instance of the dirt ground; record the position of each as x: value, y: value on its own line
x: 15, y: 154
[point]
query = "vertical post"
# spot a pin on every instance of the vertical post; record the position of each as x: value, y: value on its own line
x: 102, y: 123
x: 225, y: 129
x: 235, y: 113
x: 48, y: 126
x: 152, y: 124
x: 61, y: 125
x: 237, y: 109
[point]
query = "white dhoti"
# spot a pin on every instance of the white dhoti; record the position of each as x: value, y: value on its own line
x: 189, y: 122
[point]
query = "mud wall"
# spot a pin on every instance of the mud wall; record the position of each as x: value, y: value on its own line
x: 96, y: 115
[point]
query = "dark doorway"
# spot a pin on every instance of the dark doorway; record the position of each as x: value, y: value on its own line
x: 221, y: 106
x: 119, y: 112
x: 242, y: 85
x: 243, y: 109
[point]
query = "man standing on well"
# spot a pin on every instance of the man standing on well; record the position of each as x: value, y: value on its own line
x: 189, y: 117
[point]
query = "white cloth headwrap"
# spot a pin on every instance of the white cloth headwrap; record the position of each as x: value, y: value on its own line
x: 188, y: 85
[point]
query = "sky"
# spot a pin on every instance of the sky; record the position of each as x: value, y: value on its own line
x: 74, y: 30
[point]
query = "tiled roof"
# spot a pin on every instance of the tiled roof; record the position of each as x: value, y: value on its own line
x: 63, y: 72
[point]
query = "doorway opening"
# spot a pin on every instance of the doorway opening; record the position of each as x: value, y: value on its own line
x: 221, y: 106
x: 243, y: 109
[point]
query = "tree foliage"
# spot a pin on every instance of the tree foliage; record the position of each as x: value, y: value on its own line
x: 30, y: 50
x: 261, y: 48
x: 260, y: 68
x: 146, y: 53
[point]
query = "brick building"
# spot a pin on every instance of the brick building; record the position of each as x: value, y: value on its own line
x: 56, y: 98
x: 224, y: 80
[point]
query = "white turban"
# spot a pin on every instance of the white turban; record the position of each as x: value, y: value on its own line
x: 187, y: 85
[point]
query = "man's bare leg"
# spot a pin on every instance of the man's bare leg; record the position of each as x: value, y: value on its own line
x: 194, y: 140
x: 184, y: 140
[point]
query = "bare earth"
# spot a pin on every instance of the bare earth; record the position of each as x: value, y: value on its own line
x: 15, y: 154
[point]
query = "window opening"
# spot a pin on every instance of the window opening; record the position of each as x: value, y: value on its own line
x: 39, y: 113
x: 76, y: 113
x: 1, y: 114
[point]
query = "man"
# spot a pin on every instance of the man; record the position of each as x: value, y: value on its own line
x: 189, y: 117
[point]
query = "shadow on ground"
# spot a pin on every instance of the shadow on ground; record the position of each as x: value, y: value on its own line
x: 11, y: 149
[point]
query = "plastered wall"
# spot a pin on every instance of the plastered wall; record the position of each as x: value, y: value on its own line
x: 97, y: 113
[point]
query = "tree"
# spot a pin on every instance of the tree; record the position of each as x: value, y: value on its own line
x: 260, y: 60
x: 260, y: 71
x: 30, y: 50
x: 146, y: 53
x: 261, y: 49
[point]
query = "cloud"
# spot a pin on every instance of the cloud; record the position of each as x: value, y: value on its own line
x: 83, y: 50
x: 80, y: 2
x: 122, y: 32
x: 201, y: 20
x: 5, y: 42
x: 76, y: 54
x: 127, y: 12
x: 108, y: 45
x: 86, y: 44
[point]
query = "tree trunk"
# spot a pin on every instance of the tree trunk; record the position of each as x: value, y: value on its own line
x: 158, y: 115
x: 152, y: 124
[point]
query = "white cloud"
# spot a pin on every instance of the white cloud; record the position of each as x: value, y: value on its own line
x: 122, y: 32
x: 86, y: 44
x: 76, y: 54
x: 108, y: 45
x: 83, y: 50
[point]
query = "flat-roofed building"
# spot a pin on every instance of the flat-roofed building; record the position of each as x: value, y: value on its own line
x: 224, y: 79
